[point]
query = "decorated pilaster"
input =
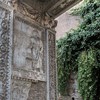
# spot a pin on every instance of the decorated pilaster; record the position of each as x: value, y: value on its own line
x: 51, y: 65
x: 6, y: 34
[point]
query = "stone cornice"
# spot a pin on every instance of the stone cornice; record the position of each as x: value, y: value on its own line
x: 28, y: 12
x: 43, y: 12
x: 40, y: 7
x: 61, y: 6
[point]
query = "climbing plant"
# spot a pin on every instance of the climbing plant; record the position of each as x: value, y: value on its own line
x: 88, y: 74
x: 77, y: 43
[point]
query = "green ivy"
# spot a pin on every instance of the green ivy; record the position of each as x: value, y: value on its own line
x: 87, y: 64
x: 77, y: 42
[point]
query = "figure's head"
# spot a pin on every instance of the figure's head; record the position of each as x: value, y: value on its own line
x: 35, y: 34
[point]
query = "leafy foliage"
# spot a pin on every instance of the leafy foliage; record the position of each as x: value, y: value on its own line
x: 88, y: 67
x: 77, y: 41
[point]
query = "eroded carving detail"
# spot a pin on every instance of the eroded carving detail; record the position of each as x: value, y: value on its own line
x: 36, y: 48
x: 20, y: 89
x: 4, y: 53
x: 52, y: 66
x: 14, y: 3
x: 42, y: 18
x: 30, y: 48
x: 49, y: 22
x: 37, y: 91
x: 28, y: 51
x: 6, y: 1
x: 28, y: 62
x: 26, y: 10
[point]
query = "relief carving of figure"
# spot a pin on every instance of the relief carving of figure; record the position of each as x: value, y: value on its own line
x: 28, y: 49
x: 36, y: 54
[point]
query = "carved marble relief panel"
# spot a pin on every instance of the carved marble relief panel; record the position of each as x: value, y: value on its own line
x: 28, y: 75
x: 5, y: 51
x: 28, y: 50
x: 52, y: 65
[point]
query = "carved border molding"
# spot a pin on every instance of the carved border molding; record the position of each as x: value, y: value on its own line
x: 24, y: 19
x: 51, y: 66
x: 6, y: 22
x: 24, y: 75
x: 24, y: 79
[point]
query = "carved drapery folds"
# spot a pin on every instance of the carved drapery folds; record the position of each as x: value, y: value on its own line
x: 5, y: 56
x: 49, y: 22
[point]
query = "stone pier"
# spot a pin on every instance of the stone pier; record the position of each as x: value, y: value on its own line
x: 27, y: 48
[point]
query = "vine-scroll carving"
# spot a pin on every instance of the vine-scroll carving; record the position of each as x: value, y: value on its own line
x: 52, y: 66
x: 4, y: 53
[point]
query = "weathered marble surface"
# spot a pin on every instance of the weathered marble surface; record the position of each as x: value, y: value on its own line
x: 52, y: 65
x: 28, y: 51
x: 29, y: 60
x: 37, y: 91
x: 5, y: 50
x: 28, y: 47
x: 20, y: 89
x: 28, y: 75
x: 5, y: 1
